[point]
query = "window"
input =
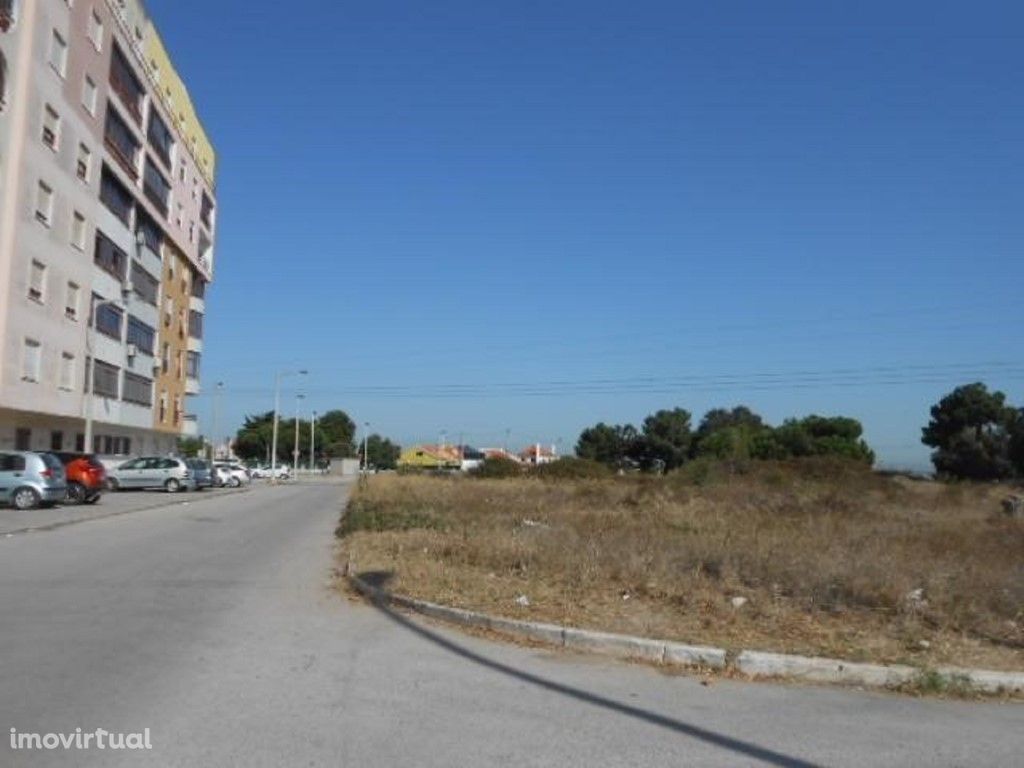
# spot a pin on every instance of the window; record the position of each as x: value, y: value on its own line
x: 122, y: 142
x: 115, y: 196
x: 206, y: 211
x: 44, y: 203
x: 56, y: 440
x: 83, y: 162
x: 125, y: 84
x: 177, y: 409
x: 163, y: 406
x: 168, y: 310
x: 78, y: 231
x: 199, y: 288
x: 141, y: 335
x: 58, y: 53
x: 145, y: 285
x: 31, y: 360
x: 104, y: 380
x: 151, y: 232
x: 109, y: 257
x: 108, y: 319
x: 156, y: 187
x: 137, y: 389
x: 67, y: 371
x: 94, y: 30
x: 71, y: 301
x: 22, y: 442
x: 192, y: 365
x: 165, y: 359
x: 51, y: 127
x: 89, y: 95
x: 191, y: 231
x: 36, y: 281
x: 160, y: 138
x: 180, y: 369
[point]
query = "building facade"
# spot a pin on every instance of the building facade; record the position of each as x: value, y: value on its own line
x: 107, y: 228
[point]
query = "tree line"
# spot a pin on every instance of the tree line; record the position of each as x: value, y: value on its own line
x: 666, y: 439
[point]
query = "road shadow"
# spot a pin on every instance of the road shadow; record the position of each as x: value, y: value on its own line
x: 379, y: 580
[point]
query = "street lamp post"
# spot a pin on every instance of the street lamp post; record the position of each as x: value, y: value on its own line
x: 312, y: 442
x: 295, y: 451
x: 277, y: 417
x: 213, y: 436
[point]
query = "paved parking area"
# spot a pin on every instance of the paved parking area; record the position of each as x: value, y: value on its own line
x: 13, y: 521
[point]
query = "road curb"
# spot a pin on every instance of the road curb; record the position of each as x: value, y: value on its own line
x: 753, y: 664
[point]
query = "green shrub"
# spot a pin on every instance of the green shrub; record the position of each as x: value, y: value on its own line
x: 498, y: 467
x: 571, y: 468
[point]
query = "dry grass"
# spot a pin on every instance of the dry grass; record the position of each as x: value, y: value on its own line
x: 829, y: 557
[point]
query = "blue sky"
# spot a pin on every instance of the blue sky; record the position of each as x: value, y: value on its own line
x: 531, y: 216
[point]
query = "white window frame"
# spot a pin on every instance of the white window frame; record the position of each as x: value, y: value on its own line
x: 94, y: 30
x: 44, y: 212
x: 37, y: 288
x: 89, y: 95
x: 31, y: 360
x: 79, y: 228
x: 66, y: 380
x: 72, y: 299
x: 58, y: 44
x: 84, y: 155
x: 51, y: 115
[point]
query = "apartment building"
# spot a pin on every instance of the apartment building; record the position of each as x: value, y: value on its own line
x: 107, y: 230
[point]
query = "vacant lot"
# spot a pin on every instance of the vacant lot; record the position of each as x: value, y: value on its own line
x: 830, y: 558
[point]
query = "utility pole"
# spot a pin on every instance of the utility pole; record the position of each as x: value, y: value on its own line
x: 277, y: 417
x: 366, y: 443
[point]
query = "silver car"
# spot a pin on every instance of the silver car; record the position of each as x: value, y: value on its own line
x: 29, y: 479
x: 166, y: 472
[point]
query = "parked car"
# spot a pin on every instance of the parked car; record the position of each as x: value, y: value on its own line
x: 236, y: 474
x: 282, y: 472
x: 86, y: 476
x: 202, y: 472
x: 29, y: 479
x: 167, y: 472
x: 221, y: 475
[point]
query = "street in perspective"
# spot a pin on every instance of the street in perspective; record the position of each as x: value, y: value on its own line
x: 563, y: 385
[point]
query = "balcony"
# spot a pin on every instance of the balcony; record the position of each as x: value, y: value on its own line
x: 6, y: 17
x: 192, y: 386
x: 194, y: 344
x: 196, y: 304
x: 190, y: 425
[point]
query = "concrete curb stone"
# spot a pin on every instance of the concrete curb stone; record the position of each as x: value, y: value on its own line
x: 754, y: 664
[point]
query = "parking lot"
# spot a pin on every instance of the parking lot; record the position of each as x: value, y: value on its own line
x: 14, y: 521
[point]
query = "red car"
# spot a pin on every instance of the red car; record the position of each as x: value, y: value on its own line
x: 87, y: 477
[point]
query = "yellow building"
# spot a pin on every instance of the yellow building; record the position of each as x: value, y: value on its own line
x: 431, y: 457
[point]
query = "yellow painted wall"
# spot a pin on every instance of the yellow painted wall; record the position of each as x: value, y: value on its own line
x: 173, y: 332
x: 176, y: 99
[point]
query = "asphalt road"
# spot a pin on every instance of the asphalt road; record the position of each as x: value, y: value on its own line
x: 214, y: 625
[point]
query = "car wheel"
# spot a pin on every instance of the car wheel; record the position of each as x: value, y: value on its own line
x: 26, y: 498
x: 172, y: 485
x: 235, y: 482
x: 76, y: 493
